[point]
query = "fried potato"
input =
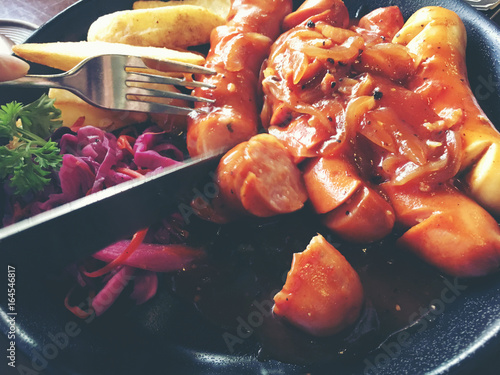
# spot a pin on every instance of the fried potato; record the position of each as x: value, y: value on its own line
x: 75, y: 110
x: 65, y: 55
x: 220, y: 7
x: 176, y: 27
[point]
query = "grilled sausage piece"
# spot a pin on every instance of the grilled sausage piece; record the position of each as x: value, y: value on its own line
x: 260, y: 178
x: 447, y: 229
x: 353, y: 209
x: 237, y: 52
x: 438, y: 37
x: 322, y: 294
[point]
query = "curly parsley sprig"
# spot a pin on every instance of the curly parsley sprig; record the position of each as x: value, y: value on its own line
x: 28, y: 158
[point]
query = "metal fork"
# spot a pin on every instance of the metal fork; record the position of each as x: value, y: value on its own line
x: 107, y: 81
x: 489, y: 7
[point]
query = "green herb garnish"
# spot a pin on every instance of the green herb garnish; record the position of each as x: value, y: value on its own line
x: 28, y: 158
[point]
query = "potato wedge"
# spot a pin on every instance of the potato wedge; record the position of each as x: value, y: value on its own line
x: 65, y: 55
x: 176, y: 27
x: 73, y: 110
x: 220, y: 7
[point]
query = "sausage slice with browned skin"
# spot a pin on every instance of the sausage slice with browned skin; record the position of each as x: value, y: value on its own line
x: 260, y: 178
x: 350, y: 207
x: 322, y: 294
x: 447, y: 229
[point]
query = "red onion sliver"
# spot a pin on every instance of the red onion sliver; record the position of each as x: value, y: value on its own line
x: 111, y: 291
x: 153, y: 257
x: 145, y: 286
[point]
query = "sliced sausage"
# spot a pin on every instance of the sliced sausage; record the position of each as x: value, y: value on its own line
x: 448, y: 230
x: 365, y: 217
x: 322, y: 294
x: 260, y: 178
x: 353, y: 209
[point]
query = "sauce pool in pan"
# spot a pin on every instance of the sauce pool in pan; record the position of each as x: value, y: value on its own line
x: 248, y: 263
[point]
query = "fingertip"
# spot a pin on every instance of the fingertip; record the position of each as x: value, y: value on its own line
x: 12, y: 67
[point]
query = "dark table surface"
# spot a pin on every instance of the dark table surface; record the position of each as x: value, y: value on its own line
x: 37, y: 12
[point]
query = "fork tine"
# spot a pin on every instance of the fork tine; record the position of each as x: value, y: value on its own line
x: 153, y: 78
x: 149, y: 107
x: 170, y: 66
x: 154, y: 93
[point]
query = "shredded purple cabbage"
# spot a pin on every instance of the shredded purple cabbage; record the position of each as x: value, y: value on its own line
x: 91, y: 157
x: 151, y: 153
x: 92, y: 160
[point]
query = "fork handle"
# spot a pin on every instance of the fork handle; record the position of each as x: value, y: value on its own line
x: 38, y: 81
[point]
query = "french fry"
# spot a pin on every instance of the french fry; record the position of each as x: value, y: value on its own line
x: 220, y: 7
x: 65, y: 55
x: 176, y: 27
x: 75, y: 110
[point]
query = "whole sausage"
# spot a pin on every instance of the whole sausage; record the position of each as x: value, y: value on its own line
x: 236, y: 54
x: 438, y: 37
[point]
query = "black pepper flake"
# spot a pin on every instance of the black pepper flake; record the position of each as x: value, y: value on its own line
x: 303, y: 87
x: 377, y: 94
x: 338, y: 141
x: 230, y: 127
x: 329, y: 118
x: 310, y: 24
x: 397, y: 35
x: 347, y: 213
x: 382, y: 37
x: 333, y: 84
x: 330, y: 60
x: 324, y: 42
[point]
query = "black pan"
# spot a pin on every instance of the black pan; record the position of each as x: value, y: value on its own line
x: 168, y: 336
